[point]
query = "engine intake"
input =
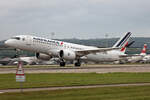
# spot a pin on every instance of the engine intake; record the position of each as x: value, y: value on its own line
x: 66, y: 54
x: 43, y: 56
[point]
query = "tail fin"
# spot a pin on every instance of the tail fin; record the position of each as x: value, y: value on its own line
x: 123, y: 49
x: 143, y: 52
x: 123, y: 40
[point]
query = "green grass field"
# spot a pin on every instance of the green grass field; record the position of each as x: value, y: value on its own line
x: 72, y: 79
x: 105, y: 93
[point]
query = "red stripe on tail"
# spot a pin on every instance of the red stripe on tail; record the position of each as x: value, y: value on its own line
x: 124, y: 47
x: 144, y: 49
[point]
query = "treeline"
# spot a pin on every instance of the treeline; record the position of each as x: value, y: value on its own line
x: 139, y: 42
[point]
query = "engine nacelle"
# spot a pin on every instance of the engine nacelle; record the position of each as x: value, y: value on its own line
x: 66, y: 54
x: 43, y: 56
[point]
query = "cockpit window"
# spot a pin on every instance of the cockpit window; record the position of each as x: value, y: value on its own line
x: 17, y: 38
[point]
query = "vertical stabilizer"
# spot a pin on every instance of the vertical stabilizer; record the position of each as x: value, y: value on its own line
x: 123, y: 49
x: 143, y: 52
x: 123, y: 40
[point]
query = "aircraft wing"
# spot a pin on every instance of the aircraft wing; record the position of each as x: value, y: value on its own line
x: 94, y: 51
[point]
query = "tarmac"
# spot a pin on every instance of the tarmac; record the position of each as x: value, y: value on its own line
x: 83, y: 69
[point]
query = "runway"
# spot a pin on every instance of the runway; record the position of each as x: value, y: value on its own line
x: 73, y: 87
x: 83, y: 69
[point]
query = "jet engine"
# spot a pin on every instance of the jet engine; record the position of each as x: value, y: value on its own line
x: 43, y: 56
x: 66, y: 54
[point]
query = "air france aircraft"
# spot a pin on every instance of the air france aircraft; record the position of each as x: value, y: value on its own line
x: 138, y: 57
x: 46, y: 49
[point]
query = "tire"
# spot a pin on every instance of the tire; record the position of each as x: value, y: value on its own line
x: 62, y: 64
x: 77, y: 64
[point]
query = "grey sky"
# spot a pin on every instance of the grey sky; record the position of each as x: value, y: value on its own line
x: 74, y: 18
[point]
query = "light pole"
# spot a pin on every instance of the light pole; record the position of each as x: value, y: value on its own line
x: 106, y: 37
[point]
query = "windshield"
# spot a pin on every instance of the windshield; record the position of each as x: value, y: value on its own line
x: 17, y: 38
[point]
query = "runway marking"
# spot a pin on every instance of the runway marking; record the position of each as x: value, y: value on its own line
x: 75, y: 87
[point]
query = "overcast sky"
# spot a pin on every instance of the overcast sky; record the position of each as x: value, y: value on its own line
x: 74, y: 18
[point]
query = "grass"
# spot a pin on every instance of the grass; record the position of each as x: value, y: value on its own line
x: 105, y: 93
x: 7, y: 81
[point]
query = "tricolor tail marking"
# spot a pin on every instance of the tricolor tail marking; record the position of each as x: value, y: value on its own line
x: 124, y: 47
x: 123, y: 40
x: 143, y: 52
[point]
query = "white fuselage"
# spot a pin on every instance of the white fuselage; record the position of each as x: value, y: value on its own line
x: 134, y: 59
x: 146, y: 58
x: 52, y: 47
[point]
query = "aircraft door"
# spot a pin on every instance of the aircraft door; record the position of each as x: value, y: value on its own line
x: 28, y: 40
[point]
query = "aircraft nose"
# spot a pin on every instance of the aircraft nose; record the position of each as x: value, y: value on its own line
x: 7, y: 42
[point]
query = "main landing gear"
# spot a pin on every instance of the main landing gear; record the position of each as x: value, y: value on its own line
x: 62, y: 62
x: 77, y: 63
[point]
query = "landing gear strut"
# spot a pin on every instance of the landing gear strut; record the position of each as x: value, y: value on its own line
x: 62, y: 62
x: 78, y: 63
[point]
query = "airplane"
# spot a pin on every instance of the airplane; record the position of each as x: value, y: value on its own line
x: 46, y: 49
x: 29, y: 60
x: 32, y: 61
x: 135, y: 57
x: 146, y: 58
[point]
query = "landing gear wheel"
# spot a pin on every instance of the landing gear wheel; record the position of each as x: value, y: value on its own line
x: 77, y: 64
x: 62, y: 63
